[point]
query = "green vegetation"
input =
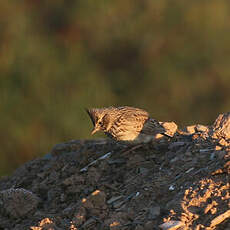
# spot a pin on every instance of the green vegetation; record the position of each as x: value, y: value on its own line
x: 58, y: 57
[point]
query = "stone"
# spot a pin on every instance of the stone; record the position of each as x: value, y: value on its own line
x: 170, y: 127
x: 139, y: 227
x: 114, y: 199
x: 201, y: 128
x: 18, y: 202
x: 149, y: 225
x: 175, y: 145
x: 221, y: 126
x: 171, y: 225
x: 217, y: 220
x: 154, y: 212
x: 190, y: 129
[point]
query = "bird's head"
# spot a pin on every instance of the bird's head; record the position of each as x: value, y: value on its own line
x: 100, y: 119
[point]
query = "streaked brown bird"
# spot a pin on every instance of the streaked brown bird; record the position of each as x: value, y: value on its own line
x: 126, y: 124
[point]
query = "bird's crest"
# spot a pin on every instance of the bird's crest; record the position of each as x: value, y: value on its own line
x: 93, y: 115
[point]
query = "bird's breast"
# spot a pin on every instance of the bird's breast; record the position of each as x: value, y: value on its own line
x: 122, y: 135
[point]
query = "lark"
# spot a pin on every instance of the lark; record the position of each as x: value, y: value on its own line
x: 125, y: 124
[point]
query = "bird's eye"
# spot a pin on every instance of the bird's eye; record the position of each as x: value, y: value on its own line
x: 100, y: 123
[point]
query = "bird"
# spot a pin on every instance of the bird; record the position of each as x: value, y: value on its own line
x: 125, y: 124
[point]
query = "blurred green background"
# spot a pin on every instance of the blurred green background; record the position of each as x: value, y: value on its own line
x: 171, y: 58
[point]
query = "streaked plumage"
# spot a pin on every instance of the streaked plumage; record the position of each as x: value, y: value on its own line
x: 125, y: 123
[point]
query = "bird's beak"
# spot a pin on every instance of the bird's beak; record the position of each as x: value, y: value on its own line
x: 94, y: 130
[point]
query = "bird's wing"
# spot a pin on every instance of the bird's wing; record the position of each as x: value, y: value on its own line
x: 152, y: 127
x: 132, y: 121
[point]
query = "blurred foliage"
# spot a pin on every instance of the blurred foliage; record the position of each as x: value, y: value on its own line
x: 58, y: 57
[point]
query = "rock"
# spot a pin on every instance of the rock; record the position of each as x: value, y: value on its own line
x: 116, y: 221
x: 45, y: 223
x: 181, y: 175
x: 143, y: 171
x: 170, y: 127
x: 70, y: 146
x: 175, y: 145
x: 220, y: 154
x: 154, y: 212
x: 196, y: 128
x: 68, y: 211
x: 201, y: 128
x: 221, y: 126
x: 118, y: 204
x: 60, y: 148
x: 194, y: 209
x: 205, y: 150
x: 190, y: 129
x: 217, y: 220
x: 90, y: 224
x: 139, y: 227
x: 18, y: 202
x: 97, y: 198
x: 217, y: 147
x: 73, y: 180
x: 114, y: 199
x: 149, y: 225
x: 115, y: 225
x: 95, y: 203
x: 80, y: 217
x: 223, y: 142
x: 210, y: 207
x: 171, y: 225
